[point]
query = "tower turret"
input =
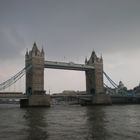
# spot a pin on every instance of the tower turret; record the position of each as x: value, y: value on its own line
x: 34, y: 47
x: 27, y: 54
x: 86, y: 60
x: 42, y: 52
x: 101, y: 58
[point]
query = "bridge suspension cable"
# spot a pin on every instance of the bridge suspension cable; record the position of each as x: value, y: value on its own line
x: 14, y: 78
x: 110, y: 91
x: 117, y: 90
x: 110, y: 80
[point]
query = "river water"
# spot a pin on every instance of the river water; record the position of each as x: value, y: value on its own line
x: 70, y: 122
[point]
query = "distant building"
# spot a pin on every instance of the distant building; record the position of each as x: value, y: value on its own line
x: 68, y: 92
x: 137, y: 89
x: 121, y: 86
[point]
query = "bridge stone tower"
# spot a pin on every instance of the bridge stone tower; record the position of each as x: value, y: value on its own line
x: 35, y: 79
x: 94, y: 78
x: 35, y: 75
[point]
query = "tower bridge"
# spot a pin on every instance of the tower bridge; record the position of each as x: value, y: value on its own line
x: 35, y: 64
x: 35, y: 76
x: 35, y: 95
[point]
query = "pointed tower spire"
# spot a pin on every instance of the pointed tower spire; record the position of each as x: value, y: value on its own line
x: 101, y: 57
x: 35, y: 50
x: 34, y: 47
x: 93, y: 57
x: 93, y: 53
x: 27, y: 54
x: 86, y: 60
x: 34, y: 44
x: 27, y: 51
x: 42, y: 51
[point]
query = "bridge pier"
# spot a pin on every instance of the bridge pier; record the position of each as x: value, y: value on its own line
x: 36, y: 101
x: 101, y: 99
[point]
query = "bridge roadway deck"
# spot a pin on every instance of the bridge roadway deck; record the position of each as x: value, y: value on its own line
x: 85, y: 97
x: 67, y: 66
x: 15, y: 95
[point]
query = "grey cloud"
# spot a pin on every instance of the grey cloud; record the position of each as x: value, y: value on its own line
x: 11, y: 43
x: 102, y: 25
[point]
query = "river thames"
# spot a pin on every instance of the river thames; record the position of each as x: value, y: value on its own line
x: 70, y: 122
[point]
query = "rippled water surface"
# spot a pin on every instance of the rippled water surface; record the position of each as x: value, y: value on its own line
x: 70, y: 122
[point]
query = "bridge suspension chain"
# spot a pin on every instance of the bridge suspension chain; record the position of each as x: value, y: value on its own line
x: 109, y: 90
x: 110, y: 80
x: 14, y: 78
x: 117, y: 90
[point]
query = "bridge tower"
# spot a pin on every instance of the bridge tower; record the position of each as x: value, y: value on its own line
x: 35, y: 79
x: 94, y: 78
x: 35, y: 75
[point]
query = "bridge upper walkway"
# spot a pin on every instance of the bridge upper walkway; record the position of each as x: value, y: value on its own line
x: 67, y: 66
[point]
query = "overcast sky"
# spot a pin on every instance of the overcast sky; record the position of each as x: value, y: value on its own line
x: 69, y: 30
